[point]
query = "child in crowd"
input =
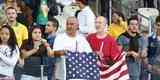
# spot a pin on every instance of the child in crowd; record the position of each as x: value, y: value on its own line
x: 50, y: 30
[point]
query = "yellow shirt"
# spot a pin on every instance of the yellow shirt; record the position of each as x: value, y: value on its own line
x: 115, y: 30
x: 21, y: 32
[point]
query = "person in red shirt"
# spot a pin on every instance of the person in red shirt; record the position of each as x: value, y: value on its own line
x: 103, y: 44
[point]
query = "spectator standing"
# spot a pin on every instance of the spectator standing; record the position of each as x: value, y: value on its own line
x: 133, y: 43
x: 53, y: 8
x: 24, y: 13
x: 9, y: 53
x: 144, y: 70
x: 34, y: 6
x: 19, y: 29
x: 72, y: 41
x: 153, y: 51
x: 118, y: 25
x: 86, y: 18
x: 104, y: 45
x: 51, y: 29
x: 34, y: 51
x: 42, y: 17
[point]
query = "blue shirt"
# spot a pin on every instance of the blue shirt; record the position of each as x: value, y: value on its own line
x: 51, y: 60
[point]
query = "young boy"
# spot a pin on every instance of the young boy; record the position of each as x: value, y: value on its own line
x: 50, y: 30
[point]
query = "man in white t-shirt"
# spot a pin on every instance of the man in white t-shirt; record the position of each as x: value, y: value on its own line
x: 86, y: 18
x: 71, y: 40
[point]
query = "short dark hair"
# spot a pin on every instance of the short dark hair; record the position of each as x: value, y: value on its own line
x: 157, y: 19
x: 54, y: 22
x: 11, y: 8
x: 85, y: 2
x: 135, y: 17
x: 119, y: 14
x: 12, y: 42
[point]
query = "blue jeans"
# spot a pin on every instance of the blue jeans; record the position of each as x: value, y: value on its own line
x: 17, y: 72
x: 55, y: 69
x: 51, y: 64
x: 134, y: 69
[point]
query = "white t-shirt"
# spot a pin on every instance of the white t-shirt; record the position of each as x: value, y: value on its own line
x: 64, y: 42
x: 78, y: 43
x: 8, y: 62
x: 65, y: 2
x: 86, y: 20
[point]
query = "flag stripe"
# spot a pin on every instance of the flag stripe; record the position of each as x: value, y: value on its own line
x: 118, y: 71
x: 116, y: 64
x: 124, y: 75
x: 113, y: 71
x: 125, y: 72
x: 115, y: 75
x: 113, y: 67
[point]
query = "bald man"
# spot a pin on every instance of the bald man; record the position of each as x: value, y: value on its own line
x: 103, y: 44
x: 72, y: 41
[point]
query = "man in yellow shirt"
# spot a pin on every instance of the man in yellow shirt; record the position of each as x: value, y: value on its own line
x: 21, y: 33
x: 19, y: 29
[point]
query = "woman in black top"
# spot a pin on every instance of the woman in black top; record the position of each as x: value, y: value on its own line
x: 34, y: 51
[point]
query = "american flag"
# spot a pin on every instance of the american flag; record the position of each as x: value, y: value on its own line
x: 118, y: 71
x: 82, y: 66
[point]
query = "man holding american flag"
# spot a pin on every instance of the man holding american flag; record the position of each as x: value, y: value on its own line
x: 71, y: 41
x: 111, y: 60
